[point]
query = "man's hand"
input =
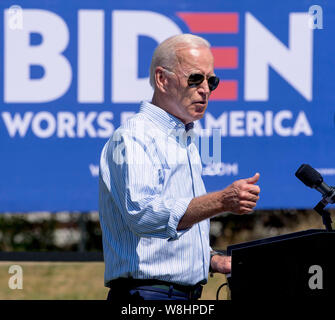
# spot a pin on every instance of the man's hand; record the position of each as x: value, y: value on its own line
x: 241, y: 196
x: 221, y: 264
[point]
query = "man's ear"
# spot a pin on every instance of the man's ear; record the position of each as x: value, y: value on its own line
x: 160, y: 79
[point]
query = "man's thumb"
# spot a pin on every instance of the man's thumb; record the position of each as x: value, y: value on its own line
x: 253, y: 179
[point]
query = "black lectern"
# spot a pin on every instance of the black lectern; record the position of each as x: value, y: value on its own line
x: 294, y: 265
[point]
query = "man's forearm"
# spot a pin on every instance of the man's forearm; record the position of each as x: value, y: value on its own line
x: 240, y: 197
x: 201, y: 208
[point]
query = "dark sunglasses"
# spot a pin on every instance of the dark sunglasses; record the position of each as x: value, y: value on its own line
x: 196, y: 79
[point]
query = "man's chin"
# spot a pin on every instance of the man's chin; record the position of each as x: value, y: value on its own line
x: 198, y: 115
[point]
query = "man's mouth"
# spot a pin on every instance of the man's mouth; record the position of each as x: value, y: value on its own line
x: 201, y: 102
x: 200, y: 105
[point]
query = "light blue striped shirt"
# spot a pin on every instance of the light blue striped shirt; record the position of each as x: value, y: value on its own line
x: 150, y: 170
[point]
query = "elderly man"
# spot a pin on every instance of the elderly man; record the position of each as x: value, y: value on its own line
x: 154, y: 209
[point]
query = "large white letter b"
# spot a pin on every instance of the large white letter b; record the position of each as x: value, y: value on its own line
x: 20, y: 55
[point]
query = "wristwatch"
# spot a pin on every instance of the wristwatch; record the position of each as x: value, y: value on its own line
x: 214, y: 253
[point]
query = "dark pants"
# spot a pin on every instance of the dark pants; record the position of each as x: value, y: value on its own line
x: 133, y: 290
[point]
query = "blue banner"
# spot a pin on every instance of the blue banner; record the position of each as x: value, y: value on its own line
x: 72, y: 71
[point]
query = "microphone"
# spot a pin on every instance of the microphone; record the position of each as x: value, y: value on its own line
x: 313, y: 179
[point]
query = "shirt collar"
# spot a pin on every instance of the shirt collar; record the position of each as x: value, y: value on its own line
x: 164, y: 120
x: 189, y: 126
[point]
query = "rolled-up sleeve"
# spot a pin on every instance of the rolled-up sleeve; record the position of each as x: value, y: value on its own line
x: 138, y: 177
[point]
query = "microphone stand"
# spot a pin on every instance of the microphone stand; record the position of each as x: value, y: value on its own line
x: 327, y: 221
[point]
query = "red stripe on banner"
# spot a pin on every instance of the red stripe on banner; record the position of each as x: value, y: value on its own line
x: 227, y: 90
x: 210, y: 22
x: 225, y: 57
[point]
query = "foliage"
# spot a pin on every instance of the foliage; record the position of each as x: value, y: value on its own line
x: 81, y: 231
x: 20, y: 233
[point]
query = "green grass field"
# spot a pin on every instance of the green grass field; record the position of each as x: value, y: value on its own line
x: 72, y: 281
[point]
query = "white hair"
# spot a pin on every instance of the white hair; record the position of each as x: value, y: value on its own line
x: 165, y: 54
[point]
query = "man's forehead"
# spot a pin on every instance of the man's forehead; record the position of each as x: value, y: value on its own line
x: 195, y: 58
x: 193, y: 53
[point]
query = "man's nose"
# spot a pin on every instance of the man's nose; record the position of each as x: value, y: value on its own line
x: 204, y: 88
